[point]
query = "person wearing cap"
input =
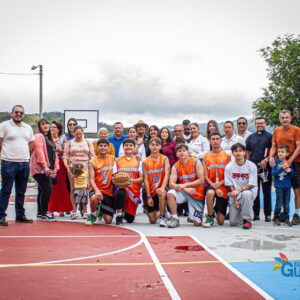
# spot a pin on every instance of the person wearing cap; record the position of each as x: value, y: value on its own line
x: 118, y: 137
x: 141, y: 139
x: 186, y: 129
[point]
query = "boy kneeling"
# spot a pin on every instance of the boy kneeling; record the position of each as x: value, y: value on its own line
x: 188, y: 172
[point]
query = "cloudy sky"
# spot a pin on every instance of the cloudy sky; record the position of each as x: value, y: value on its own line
x: 157, y: 60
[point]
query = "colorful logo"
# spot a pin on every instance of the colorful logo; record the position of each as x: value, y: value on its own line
x: 287, y: 268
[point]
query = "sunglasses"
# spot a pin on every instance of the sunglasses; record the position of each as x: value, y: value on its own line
x: 17, y: 112
x: 71, y: 124
x: 53, y: 127
x: 241, y: 123
x: 177, y: 131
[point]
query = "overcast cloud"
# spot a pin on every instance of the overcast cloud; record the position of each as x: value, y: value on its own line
x: 160, y: 60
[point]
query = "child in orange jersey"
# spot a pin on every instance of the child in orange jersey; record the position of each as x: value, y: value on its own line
x: 156, y: 171
x: 214, y: 164
x: 127, y: 199
x: 186, y: 179
x: 101, y: 169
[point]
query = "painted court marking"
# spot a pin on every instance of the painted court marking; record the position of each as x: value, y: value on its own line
x: 66, y: 236
x: 236, y: 272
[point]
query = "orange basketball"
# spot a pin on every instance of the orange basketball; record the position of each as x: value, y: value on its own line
x: 122, y: 179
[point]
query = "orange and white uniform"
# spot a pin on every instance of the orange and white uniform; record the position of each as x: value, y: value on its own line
x: 187, y: 173
x: 104, y: 170
x: 155, y: 172
x: 134, y: 169
x: 215, y: 165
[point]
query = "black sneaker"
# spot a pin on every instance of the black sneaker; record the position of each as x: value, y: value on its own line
x: 268, y: 219
x: 48, y: 218
x: 287, y: 223
x: 119, y: 220
x: 3, y: 222
x: 256, y: 218
x: 23, y: 220
x: 296, y: 219
x: 276, y: 222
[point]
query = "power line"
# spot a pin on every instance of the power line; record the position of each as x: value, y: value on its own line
x: 3, y: 73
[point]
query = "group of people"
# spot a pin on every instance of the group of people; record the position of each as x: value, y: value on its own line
x: 171, y: 173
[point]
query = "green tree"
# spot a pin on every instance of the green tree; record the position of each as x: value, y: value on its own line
x: 283, y: 72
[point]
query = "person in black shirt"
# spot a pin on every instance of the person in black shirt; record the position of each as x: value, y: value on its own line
x: 258, y: 146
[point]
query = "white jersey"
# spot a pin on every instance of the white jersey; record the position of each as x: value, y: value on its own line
x: 240, y: 176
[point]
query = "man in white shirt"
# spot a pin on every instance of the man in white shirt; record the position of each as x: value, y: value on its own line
x: 230, y: 138
x: 242, y: 126
x: 241, y: 177
x: 16, y: 139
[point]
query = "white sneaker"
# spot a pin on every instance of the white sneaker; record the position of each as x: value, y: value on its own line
x: 174, y: 223
x: 98, y: 220
x: 162, y: 222
x: 168, y: 216
x: 74, y: 216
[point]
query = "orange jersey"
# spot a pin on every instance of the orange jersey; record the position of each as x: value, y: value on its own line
x: 103, y: 173
x: 155, y: 172
x: 132, y: 167
x: 187, y: 173
x: 215, y: 166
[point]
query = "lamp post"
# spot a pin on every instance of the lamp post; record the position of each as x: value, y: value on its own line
x: 41, y: 88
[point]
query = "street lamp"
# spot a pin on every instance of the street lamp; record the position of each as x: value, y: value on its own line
x: 41, y: 88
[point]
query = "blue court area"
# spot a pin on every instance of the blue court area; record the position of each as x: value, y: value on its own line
x: 273, y: 282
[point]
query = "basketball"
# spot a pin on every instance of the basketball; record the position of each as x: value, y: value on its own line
x: 122, y: 179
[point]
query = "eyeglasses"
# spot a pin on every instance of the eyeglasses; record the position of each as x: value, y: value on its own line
x: 177, y: 131
x: 71, y: 124
x: 53, y: 127
x: 17, y: 112
x: 242, y: 123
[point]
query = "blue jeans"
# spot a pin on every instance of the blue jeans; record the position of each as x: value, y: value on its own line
x: 283, y: 196
x: 11, y: 172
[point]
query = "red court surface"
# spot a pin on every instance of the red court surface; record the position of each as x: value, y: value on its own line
x: 66, y: 259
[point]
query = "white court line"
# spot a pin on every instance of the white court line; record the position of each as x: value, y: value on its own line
x: 162, y: 273
x: 83, y: 257
x: 232, y: 269
x: 66, y: 236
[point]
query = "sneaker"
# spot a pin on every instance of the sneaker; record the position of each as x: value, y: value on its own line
x: 162, y: 222
x: 209, y: 222
x: 268, y: 219
x: 3, y: 222
x: 287, y: 223
x: 276, y: 222
x: 256, y: 218
x: 48, y: 217
x: 189, y: 220
x: 296, y: 219
x: 38, y: 217
x: 61, y: 214
x: 90, y: 220
x: 247, y: 224
x: 85, y: 216
x: 23, y: 220
x: 168, y: 216
x: 119, y: 220
x: 74, y: 216
x: 174, y: 223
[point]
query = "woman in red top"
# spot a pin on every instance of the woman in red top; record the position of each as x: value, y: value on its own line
x: 168, y: 146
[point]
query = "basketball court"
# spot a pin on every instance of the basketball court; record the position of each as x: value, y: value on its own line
x: 54, y: 260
